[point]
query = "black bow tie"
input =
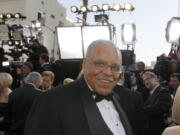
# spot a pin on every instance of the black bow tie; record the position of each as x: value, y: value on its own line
x: 98, y: 97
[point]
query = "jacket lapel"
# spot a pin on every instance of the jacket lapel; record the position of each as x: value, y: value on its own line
x: 122, y: 115
x: 95, y: 121
x: 153, y: 96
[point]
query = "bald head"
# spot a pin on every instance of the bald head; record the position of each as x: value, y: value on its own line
x: 100, y: 43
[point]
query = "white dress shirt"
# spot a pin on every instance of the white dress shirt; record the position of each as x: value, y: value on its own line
x: 110, y: 115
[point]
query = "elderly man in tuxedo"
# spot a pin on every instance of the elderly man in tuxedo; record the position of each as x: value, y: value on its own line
x: 91, y: 105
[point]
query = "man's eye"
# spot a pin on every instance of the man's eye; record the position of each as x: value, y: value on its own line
x: 115, y: 68
x: 100, y: 64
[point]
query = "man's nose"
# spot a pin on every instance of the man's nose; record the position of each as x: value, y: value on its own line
x: 107, y: 70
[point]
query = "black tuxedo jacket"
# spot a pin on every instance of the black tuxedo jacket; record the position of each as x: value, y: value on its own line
x: 71, y: 110
x: 144, y: 91
x: 156, y: 107
x: 19, y: 104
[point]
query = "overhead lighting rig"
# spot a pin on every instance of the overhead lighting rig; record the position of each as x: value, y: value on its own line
x: 105, y: 7
x: 6, y: 16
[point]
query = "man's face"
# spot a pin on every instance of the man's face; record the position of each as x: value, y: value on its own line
x: 173, y: 67
x: 34, y: 43
x: 46, y: 83
x: 140, y: 67
x: 41, y: 61
x: 25, y: 69
x: 100, y: 69
x: 133, y: 80
x: 149, y: 82
x: 174, y: 82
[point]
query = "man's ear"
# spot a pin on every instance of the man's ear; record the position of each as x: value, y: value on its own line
x: 84, y: 63
x: 37, y: 85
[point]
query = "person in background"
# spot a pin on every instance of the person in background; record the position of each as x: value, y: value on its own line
x: 36, y: 49
x: 20, y: 102
x: 21, y: 73
x: 173, y: 66
x: 121, y: 79
x: 134, y: 87
x: 175, y: 130
x: 5, y: 82
x: 158, y: 104
x: 44, y: 63
x: 47, y: 80
x: 174, y: 83
x: 139, y: 73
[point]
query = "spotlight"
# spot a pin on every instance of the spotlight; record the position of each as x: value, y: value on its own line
x: 37, y: 24
x: 33, y: 25
x: 83, y: 9
x: 94, y: 8
x: 1, y: 16
x: 128, y: 32
x: 17, y: 15
x: 10, y: 42
x: 116, y: 7
x: 9, y: 16
x: 5, y: 63
x: 128, y: 6
x: 173, y: 30
x: 105, y: 7
x: 74, y: 9
x: 17, y: 42
x: 40, y: 29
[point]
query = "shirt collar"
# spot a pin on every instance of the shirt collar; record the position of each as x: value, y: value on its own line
x: 152, y: 91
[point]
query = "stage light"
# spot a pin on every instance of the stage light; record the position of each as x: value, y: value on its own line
x: 40, y: 29
x: 74, y: 9
x: 33, y: 25
x: 1, y: 16
x: 128, y: 6
x: 83, y: 9
x: 94, y: 8
x: 105, y: 7
x: 17, y: 42
x: 116, y: 7
x: 9, y: 16
x: 37, y: 24
x: 10, y: 42
x: 173, y: 30
x: 17, y: 15
x: 128, y: 32
x: 5, y: 63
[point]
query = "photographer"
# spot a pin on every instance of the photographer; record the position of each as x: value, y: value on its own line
x: 21, y: 73
x: 35, y: 51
